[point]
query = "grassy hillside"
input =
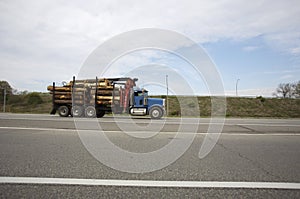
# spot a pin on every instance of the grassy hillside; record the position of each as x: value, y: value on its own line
x: 236, y: 107
x: 260, y: 107
x: 179, y: 106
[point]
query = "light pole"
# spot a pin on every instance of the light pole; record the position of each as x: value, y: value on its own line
x: 167, y: 84
x: 236, y: 87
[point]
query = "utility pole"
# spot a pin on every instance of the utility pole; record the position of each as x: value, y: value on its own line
x: 4, y: 99
x: 236, y: 87
x: 167, y: 95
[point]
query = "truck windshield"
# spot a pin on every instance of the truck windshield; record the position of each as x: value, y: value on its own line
x: 141, y: 93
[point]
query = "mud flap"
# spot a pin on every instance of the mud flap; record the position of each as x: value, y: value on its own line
x: 53, y: 111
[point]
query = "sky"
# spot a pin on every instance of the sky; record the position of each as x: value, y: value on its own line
x: 253, y: 44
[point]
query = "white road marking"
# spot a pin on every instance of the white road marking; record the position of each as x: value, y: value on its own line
x: 150, y: 132
x: 149, y: 183
x: 269, y: 125
x: 275, y: 123
x: 36, y: 129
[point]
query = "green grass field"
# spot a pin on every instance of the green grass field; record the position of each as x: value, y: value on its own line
x: 179, y: 106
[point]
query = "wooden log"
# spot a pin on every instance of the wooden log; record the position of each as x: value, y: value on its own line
x: 58, y: 101
x: 104, y: 97
x: 104, y: 102
x: 65, y: 101
x: 78, y: 89
x: 100, y: 84
x: 91, y: 82
x: 58, y: 88
x: 63, y: 97
x: 103, y: 92
x: 61, y: 92
x: 106, y: 87
x: 75, y: 89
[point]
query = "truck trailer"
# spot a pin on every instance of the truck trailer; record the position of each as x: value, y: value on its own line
x: 96, y: 97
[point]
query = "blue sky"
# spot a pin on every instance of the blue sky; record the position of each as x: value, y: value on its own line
x: 256, y: 64
x: 256, y: 41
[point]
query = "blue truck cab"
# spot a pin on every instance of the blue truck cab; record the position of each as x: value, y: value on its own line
x: 141, y: 104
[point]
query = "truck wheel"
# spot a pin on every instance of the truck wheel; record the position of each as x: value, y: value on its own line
x: 100, y: 113
x: 156, y: 112
x: 63, y: 111
x: 90, y: 111
x: 77, y: 111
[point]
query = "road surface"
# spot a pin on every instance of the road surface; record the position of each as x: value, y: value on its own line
x: 43, y: 156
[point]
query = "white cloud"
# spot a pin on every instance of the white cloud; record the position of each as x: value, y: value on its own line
x: 295, y: 51
x: 151, y: 68
x: 250, y: 48
x: 286, y: 77
x: 38, y: 37
x: 255, y: 92
x: 282, y: 72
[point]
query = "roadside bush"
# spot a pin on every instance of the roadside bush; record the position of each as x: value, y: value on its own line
x: 16, y: 99
x: 34, y: 98
x: 262, y: 99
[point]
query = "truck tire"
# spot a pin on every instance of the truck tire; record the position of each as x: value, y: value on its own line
x: 100, y: 113
x: 90, y: 111
x: 156, y: 112
x: 77, y: 111
x: 63, y: 111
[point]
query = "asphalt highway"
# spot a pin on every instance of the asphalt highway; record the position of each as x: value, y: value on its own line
x: 43, y: 156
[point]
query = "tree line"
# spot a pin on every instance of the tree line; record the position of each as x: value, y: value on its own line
x: 14, y: 96
x: 284, y: 90
x: 288, y: 90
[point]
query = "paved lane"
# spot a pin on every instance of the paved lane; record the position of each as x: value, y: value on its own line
x: 169, y: 125
x: 249, y: 150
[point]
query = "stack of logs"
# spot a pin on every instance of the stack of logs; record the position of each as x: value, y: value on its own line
x: 84, y: 91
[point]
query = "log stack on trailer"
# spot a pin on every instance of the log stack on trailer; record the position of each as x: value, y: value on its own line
x: 91, y: 97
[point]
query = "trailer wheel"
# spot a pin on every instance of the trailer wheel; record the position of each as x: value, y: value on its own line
x: 63, y: 111
x: 156, y: 112
x: 90, y: 111
x: 77, y: 111
x: 100, y: 113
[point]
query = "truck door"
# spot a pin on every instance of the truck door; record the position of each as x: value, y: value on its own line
x: 140, y: 99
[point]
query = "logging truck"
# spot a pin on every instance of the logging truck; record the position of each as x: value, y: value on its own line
x: 96, y: 97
